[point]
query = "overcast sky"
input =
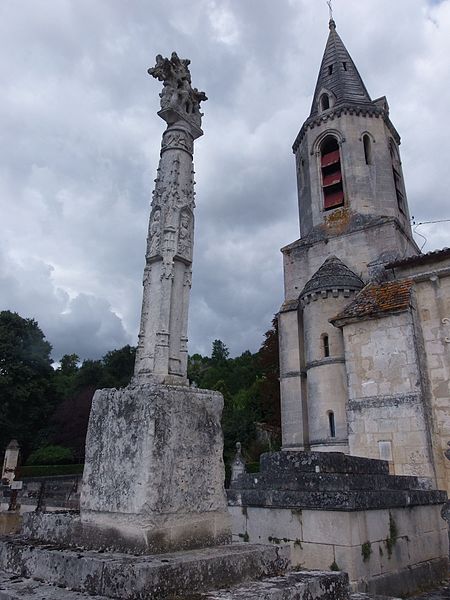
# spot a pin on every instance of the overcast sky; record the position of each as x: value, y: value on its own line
x: 80, y: 144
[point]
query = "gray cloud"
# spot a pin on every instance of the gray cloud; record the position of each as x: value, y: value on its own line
x: 80, y: 143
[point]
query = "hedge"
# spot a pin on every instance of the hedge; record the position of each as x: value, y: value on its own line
x: 49, y: 470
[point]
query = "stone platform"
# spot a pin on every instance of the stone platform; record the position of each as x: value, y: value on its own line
x: 127, y: 577
x: 343, y: 512
x: 295, y: 586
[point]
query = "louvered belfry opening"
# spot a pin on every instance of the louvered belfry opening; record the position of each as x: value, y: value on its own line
x: 332, y: 185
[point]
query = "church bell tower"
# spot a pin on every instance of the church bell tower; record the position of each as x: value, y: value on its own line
x: 354, y: 218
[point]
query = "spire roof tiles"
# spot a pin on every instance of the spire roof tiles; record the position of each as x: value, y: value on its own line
x: 332, y: 275
x: 339, y: 76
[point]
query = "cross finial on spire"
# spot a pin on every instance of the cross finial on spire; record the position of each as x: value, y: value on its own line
x: 330, y: 6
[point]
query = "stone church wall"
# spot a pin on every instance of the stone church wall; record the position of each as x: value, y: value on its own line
x: 433, y: 300
x: 386, y: 412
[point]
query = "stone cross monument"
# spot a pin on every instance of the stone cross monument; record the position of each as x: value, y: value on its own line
x: 162, y: 349
x: 154, y: 476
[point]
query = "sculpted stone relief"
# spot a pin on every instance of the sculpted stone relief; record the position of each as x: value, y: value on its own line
x: 155, y: 234
x: 177, y: 140
x: 178, y: 93
x: 185, y: 236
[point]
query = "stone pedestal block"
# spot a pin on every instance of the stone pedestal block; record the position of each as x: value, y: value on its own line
x: 153, y: 480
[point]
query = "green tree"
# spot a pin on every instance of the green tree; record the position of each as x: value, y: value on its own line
x: 27, y: 393
x: 119, y: 366
x: 269, y: 361
x: 69, y: 364
x: 219, y: 353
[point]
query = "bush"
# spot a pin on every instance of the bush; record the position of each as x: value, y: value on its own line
x: 50, y: 455
x: 50, y: 470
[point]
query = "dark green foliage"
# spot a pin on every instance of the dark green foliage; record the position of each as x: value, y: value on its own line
x: 70, y: 420
x: 391, y: 540
x: 334, y: 566
x: 51, y: 470
x: 366, y: 551
x: 250, y: 387
x: 50, y: 455
x: 42, y: 407
x: 27, y: 393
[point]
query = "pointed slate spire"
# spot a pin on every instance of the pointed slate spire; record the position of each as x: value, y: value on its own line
x: 339, y: 76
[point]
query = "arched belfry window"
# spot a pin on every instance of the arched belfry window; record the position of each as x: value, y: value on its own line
x: 396, y: 170
x: 330, y: 163
x: 324, y: 101
x: 367, y: 142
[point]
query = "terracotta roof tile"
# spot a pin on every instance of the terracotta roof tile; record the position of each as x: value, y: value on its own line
x: 376, y: 299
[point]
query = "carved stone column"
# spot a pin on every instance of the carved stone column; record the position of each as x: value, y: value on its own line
x: 162, y: 348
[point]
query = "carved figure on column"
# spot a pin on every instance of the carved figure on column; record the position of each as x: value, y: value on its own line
x: 177, y: 93
x: 155, y: 233
x: 184, y: 236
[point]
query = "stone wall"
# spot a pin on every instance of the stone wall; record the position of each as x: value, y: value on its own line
x: 386, y: 413
x: 373, y: 547
x: 433, y: 300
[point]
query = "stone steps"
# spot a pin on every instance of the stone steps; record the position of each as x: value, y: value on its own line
x: 13, y: 587
x: 301, y: 585
x: 294, y: 586
x: 131, y: 577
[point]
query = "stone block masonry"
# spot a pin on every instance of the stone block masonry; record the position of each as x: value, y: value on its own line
x: 157, y: 577
x: 342, y: 512
x: 153, y: 480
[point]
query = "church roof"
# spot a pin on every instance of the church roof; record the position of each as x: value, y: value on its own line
x: 420, y: 259
x: 377, y: 299
x: 338, y: 74
x: 333, y: 275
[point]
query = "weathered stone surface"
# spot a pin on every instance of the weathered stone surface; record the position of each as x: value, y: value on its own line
x: 153, y: 478
x: 161, y: 354
x: 153, y: 577
x: 301, y: 585
x: 328, y: 481
x: 320, y: 462
x: 15, y: 587
x: 408, y: 581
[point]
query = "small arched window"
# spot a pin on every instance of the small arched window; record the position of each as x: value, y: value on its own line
x: 367, y: 149
x: 326, y: 345
x: 332, y: 424
x: 332, y: 184
x: 324, y: 102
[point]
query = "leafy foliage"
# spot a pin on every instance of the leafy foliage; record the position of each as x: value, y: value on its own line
x: 48, y: 410
x: 27, y: 393
x: 50, y: 455
x: 250, y: 387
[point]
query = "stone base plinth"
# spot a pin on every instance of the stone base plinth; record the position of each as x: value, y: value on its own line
x: 153, y: 478
x: 347, y: 513
x: 294, y: 586
x: 156, y: 577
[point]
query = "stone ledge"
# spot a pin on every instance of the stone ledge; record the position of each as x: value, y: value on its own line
x: 13, y: 587
x: 335, y: 500
x: 321, y: 462
x: 294, y: 586
x: 408, y: 581
x: 134, y: 577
